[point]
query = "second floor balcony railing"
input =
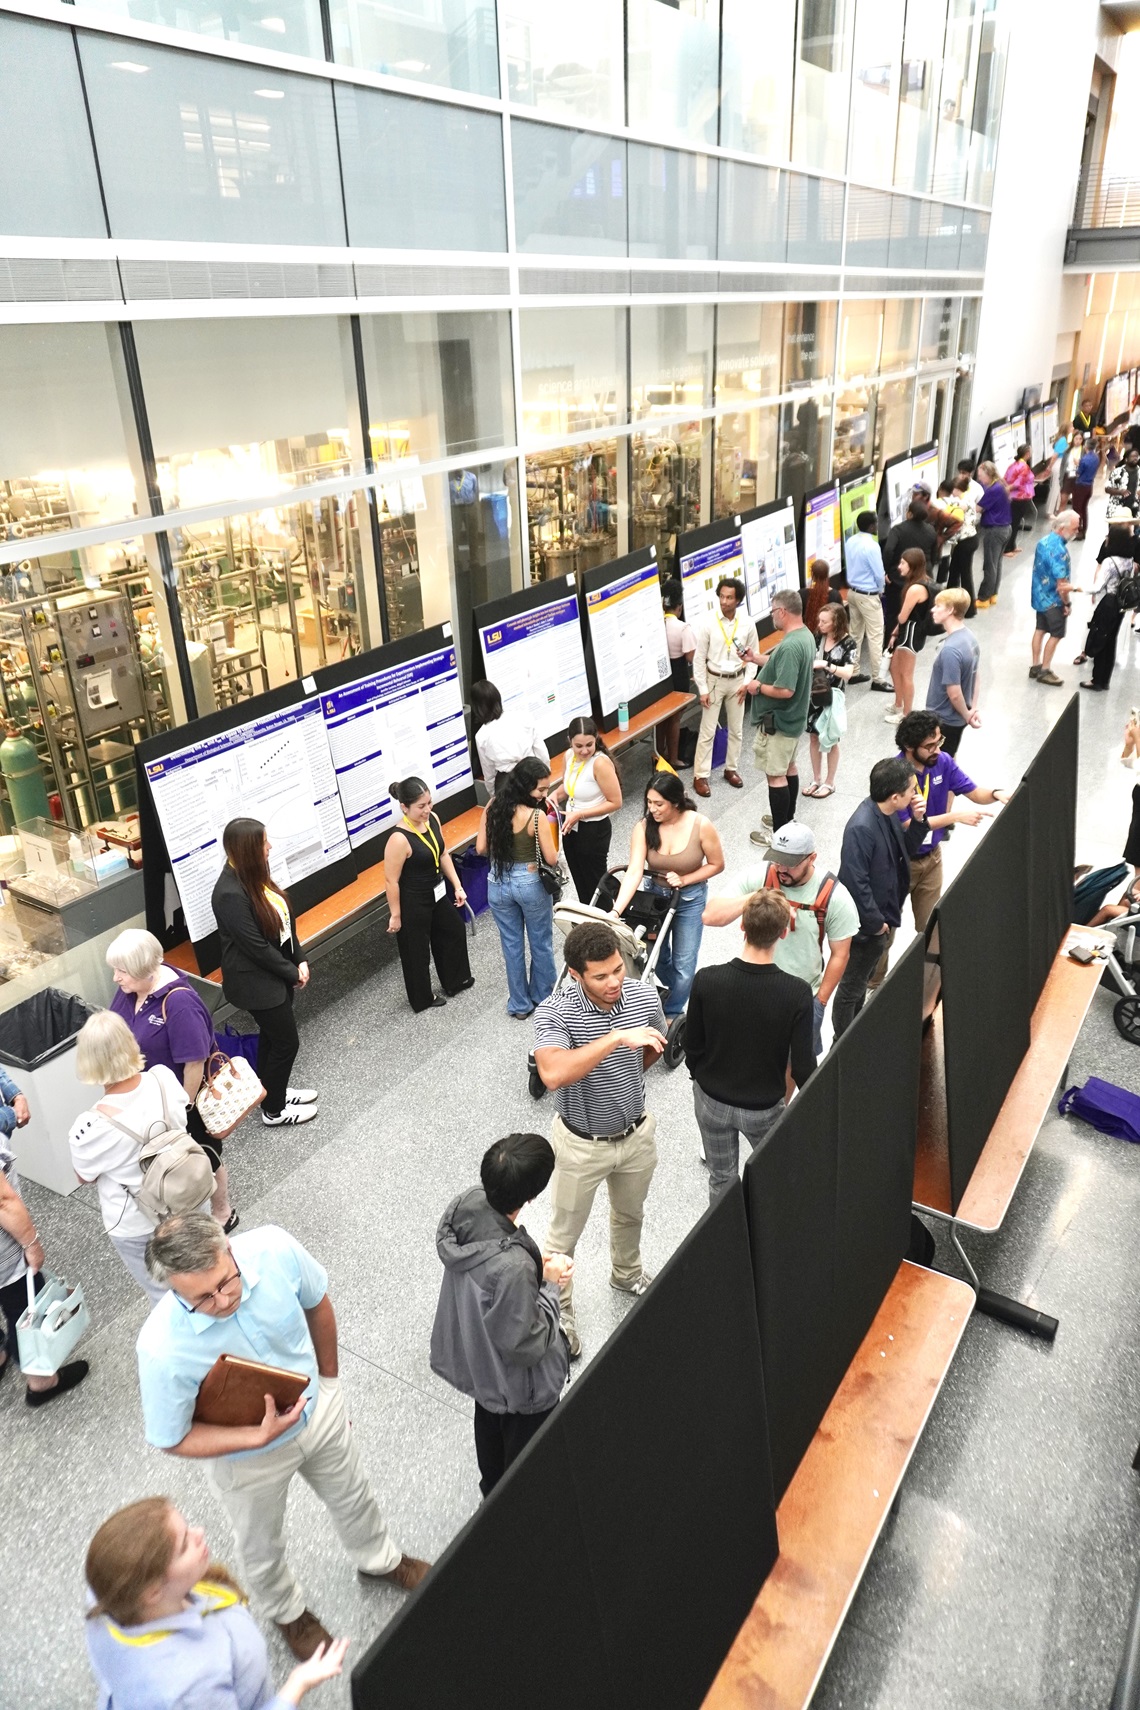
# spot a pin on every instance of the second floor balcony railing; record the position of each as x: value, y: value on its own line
x: 1106, y: 198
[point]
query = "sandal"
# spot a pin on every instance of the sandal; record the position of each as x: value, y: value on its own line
x: 823, y: 790
x: 813, y: 788
x: 1080, y: 659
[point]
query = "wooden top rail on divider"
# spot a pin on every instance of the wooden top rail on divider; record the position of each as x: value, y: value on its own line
x: 833, y: 1510
x: 348, y: 905
x: 1053, y: 1029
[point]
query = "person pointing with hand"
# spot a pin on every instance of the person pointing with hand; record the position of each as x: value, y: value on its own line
x: 593, y: 1041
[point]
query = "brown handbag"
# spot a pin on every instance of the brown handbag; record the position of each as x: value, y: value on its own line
x: 233, y: 1391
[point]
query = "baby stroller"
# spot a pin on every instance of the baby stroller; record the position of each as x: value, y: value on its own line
x: 1089, y: 895
x: 641, y: 933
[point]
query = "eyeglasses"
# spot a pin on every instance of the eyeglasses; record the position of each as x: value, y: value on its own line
x: 215, y: 1294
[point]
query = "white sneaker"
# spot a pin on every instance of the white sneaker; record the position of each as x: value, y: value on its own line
x: 290, y: 1116
x: 893, y: 716
x: 300, y: 1095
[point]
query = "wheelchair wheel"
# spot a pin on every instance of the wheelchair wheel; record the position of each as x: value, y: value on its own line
x: 1126, y: 1015
x: 674, y: 1052
x: 535, y: 1083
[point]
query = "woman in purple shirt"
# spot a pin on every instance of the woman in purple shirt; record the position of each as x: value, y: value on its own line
x: 995, y: 517
x: 171, y: 1026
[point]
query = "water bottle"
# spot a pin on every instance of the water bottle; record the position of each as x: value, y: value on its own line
x: 623, y: 715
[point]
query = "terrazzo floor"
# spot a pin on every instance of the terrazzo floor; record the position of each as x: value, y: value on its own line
x: 1003, y: 1581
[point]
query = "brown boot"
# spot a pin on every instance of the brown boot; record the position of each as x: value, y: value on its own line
x: 304, y: 1635
x: 407, y: 1573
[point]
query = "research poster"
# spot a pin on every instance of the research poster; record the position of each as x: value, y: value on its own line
x: 537, y: 663
x: 627, y: 633
x: 277, y: 769
x: 1052, y: 423
x: 1037, y: 453
x: 771, y: 564
x: 405, y: 721
x: 821, y: 529
x: 855, y: 496
x: 1003, y: 446
x: 702, y: 570
x: 924, y: 467
x: 900, y: 485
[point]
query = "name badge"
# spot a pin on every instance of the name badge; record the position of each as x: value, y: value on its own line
x: 440, y: 891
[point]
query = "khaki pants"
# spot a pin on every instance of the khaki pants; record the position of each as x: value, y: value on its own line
x: 253, y: 1490
x: 720, y: 689
x: 866, y: 614
x: 580, y: 1168
x: 925, y: 886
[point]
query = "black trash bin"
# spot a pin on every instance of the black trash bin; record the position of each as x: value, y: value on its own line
x: 37, y: 1042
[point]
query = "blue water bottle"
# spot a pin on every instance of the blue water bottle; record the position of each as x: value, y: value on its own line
x: 623, y: 715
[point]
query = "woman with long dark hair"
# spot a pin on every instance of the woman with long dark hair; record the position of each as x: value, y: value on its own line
x: 909, y: 637
x: 501, y: 739
x: 681, y: 849
x: 262, y: 965
x: 425, y: 920
x: 514, y: 831
x: 1107, y: 617
x: 591, y: 792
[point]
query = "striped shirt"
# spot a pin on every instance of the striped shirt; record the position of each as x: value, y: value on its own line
x: 612, y: 1096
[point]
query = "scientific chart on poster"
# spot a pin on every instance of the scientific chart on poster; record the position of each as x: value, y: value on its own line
x: 404, y: 721
x: 821, y: 528
x: 536, y: 661
x: 277, y: 769
x: 701, y: 570
x: 627, y: 635
x: 771, y: 563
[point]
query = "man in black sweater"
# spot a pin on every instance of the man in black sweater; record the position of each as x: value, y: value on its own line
x: 746, y: 1021
x: 875, y: 867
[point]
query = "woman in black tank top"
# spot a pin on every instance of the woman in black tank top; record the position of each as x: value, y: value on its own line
x: 909, y: 635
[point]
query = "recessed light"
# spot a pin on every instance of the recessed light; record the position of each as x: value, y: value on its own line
x: 271, y: 94
x: 277, y: 25
x: 129, y: 65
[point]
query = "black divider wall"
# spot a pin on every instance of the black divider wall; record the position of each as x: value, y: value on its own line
x: 1051, y: 785
x: 983, y: 937
x: 829, y: 1197
x: 616, y: 1562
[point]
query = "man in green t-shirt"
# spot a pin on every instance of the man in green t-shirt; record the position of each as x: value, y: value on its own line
x: 784, y: 688
x: 792, y: 861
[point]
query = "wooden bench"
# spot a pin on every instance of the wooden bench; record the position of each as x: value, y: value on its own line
x: 1056, y: 1022
x: 355, y: 905
x: 831, y: 1514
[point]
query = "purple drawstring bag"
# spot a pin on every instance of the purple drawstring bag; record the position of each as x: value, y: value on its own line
x: 1111, y: 1109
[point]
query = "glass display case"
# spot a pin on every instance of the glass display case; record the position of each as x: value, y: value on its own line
x: 573, y: 505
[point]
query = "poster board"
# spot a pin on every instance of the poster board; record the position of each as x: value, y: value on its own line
x: 926, y: 465
x: 1004, y: 442
x: 265, y: 759
x: 856, y: 493
x: 898, y: 484
x: 820, y: 530
x: 1037, y: 447
x: 627, y: 651
x: 392, y: 713
x: 1116, y: 399
x: 771, y: 560
x: 1052, y: 422
x: 531, y: 647
x: 703, y: 556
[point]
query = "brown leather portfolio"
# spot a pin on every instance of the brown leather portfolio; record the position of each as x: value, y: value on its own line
x: 233, y: 1391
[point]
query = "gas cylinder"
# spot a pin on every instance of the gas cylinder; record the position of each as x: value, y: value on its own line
x: 24, y: 776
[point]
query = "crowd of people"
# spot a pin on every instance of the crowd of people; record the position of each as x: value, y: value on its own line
x: 165, y: 1625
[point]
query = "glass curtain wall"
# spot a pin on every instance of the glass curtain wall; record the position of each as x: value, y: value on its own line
x: 670, y: 471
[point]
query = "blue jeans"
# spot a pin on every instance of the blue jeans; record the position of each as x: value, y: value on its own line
x: 523, y: 910
x: 677, y: 962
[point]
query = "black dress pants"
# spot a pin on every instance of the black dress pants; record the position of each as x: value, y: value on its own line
x: 436, y: 930
x: 586, y: 847
x: 276, y: 1051
x: 500, y: 1438
x: 1101, y: 644
x: 962, y: 569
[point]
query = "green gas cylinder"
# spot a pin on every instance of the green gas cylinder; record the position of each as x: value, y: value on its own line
x: 24, y: 776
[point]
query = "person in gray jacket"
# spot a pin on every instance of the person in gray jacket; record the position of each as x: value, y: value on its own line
x: 497, y: 1336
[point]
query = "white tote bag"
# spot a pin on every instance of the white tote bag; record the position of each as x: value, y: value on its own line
x: 48, y: 1331
x: 229, y: 1091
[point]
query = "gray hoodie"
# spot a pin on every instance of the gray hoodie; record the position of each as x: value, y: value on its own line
x: 497, y: 1334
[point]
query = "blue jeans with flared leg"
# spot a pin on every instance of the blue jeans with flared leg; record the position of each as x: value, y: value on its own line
x: 523, y: 910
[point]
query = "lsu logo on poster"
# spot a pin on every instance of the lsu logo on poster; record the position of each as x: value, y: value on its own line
x: 495, y: 635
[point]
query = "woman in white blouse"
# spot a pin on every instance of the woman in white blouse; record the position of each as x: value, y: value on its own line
x: 501, y: 739
x: 107, y: 1055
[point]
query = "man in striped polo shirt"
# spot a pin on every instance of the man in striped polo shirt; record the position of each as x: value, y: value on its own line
x: 593, y: 1042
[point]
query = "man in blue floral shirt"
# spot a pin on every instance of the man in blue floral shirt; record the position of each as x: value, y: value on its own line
x: 1050, y: 594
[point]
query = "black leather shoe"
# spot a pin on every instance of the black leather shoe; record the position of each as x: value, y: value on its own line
x: 859, y: 677
x: 454, y: 991
x: 68, y: 1375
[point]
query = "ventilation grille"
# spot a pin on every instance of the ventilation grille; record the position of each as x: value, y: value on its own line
x: 782, y: 284
x: 573, y: 281
x: 46, y: 279
x: 408, y: 281
x: 166, y: 281
x: 654, y: 284
x: 930, y: 283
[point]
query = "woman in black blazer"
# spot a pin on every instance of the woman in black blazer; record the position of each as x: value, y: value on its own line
x: 262, y: 965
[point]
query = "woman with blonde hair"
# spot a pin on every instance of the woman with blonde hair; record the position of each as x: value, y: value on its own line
x: 167, y: 1628
x: 146, y: 1101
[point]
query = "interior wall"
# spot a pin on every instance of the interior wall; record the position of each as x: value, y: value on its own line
x: 1033, y: 204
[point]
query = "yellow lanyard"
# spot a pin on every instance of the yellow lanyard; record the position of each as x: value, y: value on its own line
x: 572, y: 778
x: 428, y: 842
x: 728, y: 639
x: 925, y: 785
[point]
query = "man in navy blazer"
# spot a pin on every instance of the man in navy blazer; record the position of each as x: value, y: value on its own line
x: 875, y: 867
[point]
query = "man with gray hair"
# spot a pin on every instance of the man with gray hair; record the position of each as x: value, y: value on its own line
x: 784, y: 688
x: 1049, y: 594
x: 262, y: 1297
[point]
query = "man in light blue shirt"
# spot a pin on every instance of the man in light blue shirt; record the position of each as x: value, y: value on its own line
x: 866, y: 580
x: 261, y: 1297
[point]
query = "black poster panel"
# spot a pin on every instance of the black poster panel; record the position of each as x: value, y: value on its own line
x: 667, y: 1442
x: 509, y: 1601
x: 879, y: 1060
x: 983, y: 932
x: 1051, y: 784
x: 791, y: 1190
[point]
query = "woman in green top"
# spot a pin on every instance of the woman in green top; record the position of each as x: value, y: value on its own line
x: 513, y: 830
